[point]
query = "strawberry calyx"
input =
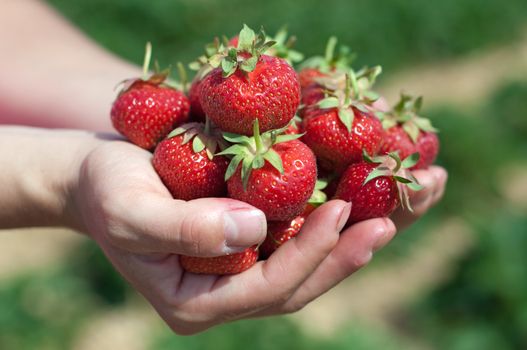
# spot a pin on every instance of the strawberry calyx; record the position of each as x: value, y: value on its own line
x: 204, y: 137
x: 318, y: 197
x: 406, y: 114
x: 391, y: 165
x: 349, y: 90
x: 331, y: 61
x: 245, y: 56
x: 201, y: 64
x: 283, y: 47
x: 253, y: 152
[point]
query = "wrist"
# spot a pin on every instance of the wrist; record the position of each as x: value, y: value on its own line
x: 41, y: 170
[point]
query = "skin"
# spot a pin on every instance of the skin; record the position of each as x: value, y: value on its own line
x: 79, y: 179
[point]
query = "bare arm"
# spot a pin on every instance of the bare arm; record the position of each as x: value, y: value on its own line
x: 52, y: 74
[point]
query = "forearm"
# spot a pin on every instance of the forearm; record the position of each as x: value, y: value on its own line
x: 40, y: 169
x: 53, y: 75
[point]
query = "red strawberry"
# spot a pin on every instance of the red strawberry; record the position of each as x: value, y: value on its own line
x: 376, y: 187
x: 276, y: 174
x: 146, y: 110
x: 279, y: 232
x: 407, y: 132
x: 189, y: 169
x: 341, y: 126
x: 307, y: 77
x: 335, y: 145
x: 220, y: 265
x: 249, y: 86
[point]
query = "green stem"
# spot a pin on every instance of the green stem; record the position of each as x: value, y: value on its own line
x: 146, y: 62
x: 330, y: 50
x: 182, y: 76
x: 257, y: 138
x: 354, y: 84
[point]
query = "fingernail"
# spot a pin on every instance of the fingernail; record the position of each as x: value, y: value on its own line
x: 384, y: 234
x: 243, y: 228
x: 343, y: 218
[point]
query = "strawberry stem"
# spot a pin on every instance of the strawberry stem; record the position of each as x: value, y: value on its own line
x: 330, y: 50
x: 257, y: 138
x: 146, y: 62
x: 207, y: 126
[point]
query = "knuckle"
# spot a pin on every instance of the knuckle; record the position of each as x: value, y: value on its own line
x: 189, y: 236
x: 361, y: 260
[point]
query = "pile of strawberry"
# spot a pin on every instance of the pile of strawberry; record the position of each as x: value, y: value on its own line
x: 252, y: 128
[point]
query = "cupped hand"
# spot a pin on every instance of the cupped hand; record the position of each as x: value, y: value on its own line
x: 142, y: 230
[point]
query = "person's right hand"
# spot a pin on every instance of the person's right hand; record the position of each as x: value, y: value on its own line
x: 131, y: 215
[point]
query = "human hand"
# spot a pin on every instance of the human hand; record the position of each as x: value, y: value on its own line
x: 131, y: 215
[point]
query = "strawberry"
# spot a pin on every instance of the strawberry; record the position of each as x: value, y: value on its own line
x: 220, y: 265
x: 147, y: 109
x: 189, y: 169
x: 407, y: 132
x: 248, y: 86
x: 377, y: 186
x: 275, y: 173
x: 196, y: 112
x: 341, y: 127
x: 279, y: 232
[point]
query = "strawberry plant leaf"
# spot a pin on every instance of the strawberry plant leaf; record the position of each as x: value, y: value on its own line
x: 412, y: 130
x: 274, y: 159
x: 197, y: 145
x: 258, y: 162
x: 233, y: 165
x: 246, y: 39
x: 235, y: 138
x: 233, y: 150
x: 414, y: 186
x: 249, y: 64
x: 321, y: 184
x: 286, y: 138
x: 246, y: 171
x: 401, y: 179
x: 329, y: 102
x: 375, y: 173
x: 411, y: 160
x: 346, y: 117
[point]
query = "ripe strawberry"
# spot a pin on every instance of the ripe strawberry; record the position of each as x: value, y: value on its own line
x: 377, y: 186
x: 342, y: 127
x: 220, y: 265
x: 408, y: 133
x: 147, y: 109
x: 189, y: 169
x: 276, y: 174
x: 250, y: 86
x: 279, y: 232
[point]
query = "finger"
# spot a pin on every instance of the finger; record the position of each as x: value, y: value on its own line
x: 275, y: 280
x: 442, y: 178
x: 353, y: 251
x: 201, y: 227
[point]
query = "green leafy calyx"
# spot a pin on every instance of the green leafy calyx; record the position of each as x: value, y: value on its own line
x: 406, y: 114
x: 253, y: 152
x: 245, y: 56
x: 203, y: 136
x: 390, y: 165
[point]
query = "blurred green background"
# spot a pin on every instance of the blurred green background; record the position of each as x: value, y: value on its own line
x: 456, y: 280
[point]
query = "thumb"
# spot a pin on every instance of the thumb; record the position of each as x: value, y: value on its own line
x: 202, y: 227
